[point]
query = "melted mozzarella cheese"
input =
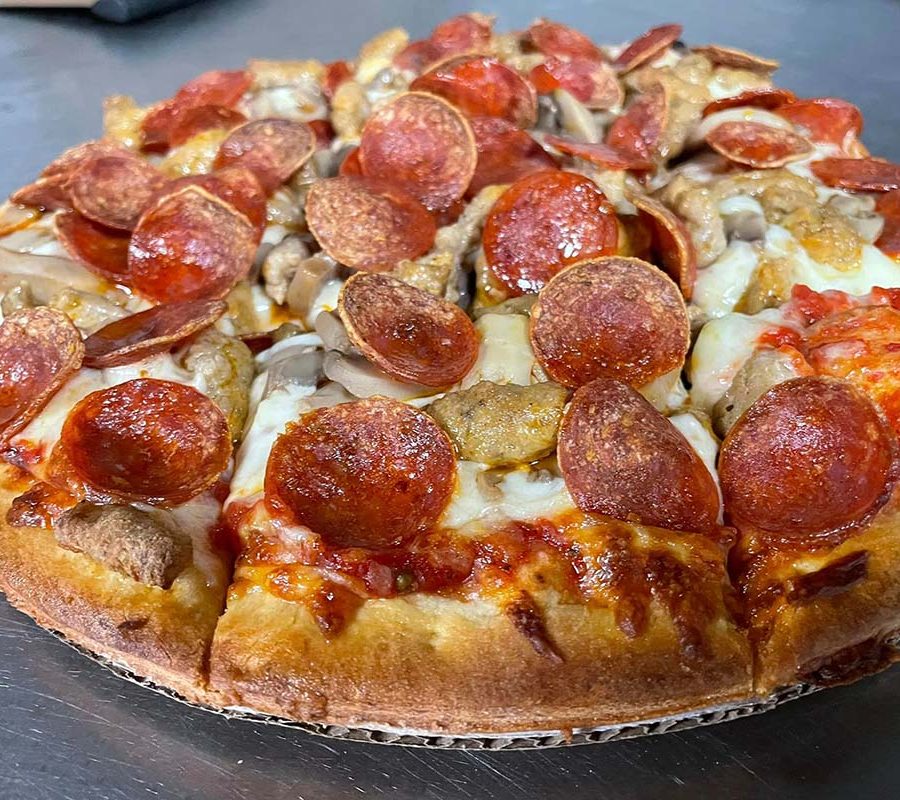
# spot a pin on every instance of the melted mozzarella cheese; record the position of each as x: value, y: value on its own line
x: 720, y: 286
x: 196, y: 518
x: 521, y: 494
x: 875, y: 268
x: 722, y: 347
x: 271, y: 417
x: 505, y: 354
x: 326, y: 300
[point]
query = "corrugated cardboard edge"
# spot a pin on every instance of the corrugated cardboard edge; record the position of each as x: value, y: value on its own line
x: 516, y: 741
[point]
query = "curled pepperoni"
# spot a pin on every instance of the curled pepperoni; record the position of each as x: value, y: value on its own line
x: 611, y: 317
x: 422, y: 144
x: 647, y: 46
x: 763, y: 97
x: 372, y: 473
x: 481, y: 86
x: 599, y: 154
x: 102, y: 250
x: 149, y: 332
x: 272, y: 149
x: 350, y: 165
x: 811, y: 456
x: 48, y: 194
x: 418, y: 56
x: 203, y: 118
x: 323, y: 131
x: 237, y: 186
x: 756, y: 145
x: 620, y: 457
x: 592, y: 83
x: 114, y: 190
x: 736, y: 59
x: 827, y: 120
x: 145, y: 440
x: 410, y: 334
x: 557, y: 40
x: 671, y: 242
x: 505, y: 153
x: 542, y: 223
x: 50, y: 191
x: 190, y: 245
x: 888, y: 206
x: 638, y: 132
x: 40, y: 349
x: 217, y: 88
x: 365, y: 224
x: 463, y: 32
x: 858, y: 174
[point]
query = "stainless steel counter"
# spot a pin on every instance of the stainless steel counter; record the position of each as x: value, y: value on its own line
x: 70, y: 729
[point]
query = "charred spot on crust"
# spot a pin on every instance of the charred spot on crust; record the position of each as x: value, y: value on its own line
x: 854, y: 662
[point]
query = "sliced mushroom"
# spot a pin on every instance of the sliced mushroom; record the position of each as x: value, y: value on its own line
x: 334, y: 334
x: 859, y: 210
x: 142, y: 545
x: 502, y: 424
x: 87, y: 310
x: 575, y: 118
x: 362, y: 379
x: 307, y: 282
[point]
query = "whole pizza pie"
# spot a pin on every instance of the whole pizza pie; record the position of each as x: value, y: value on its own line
x: 489, y: 382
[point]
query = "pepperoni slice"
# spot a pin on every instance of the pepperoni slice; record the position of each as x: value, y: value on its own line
x: 114, y: 190
x: 505, y: 154
x: 557, y: 40
x: 373, y: 473
x: 736, y: 59
x: 366, y: 224
x: 422, y: 144
x: 612, y: 317
x: 418, y: 56
x: 592, y: 83
x: 145, y: 440
x: 336, y: 73
x: 858, y: 174
x: 350, y: 165
x: 323, y: 131
x: 47, y: 194
x: 638, y: 132
x: 888, y: 206
x: 237, y: 186
x: 542, y: 223
x: 811, y: 456
x: 756, y: 145
x: 217, y: 88
x: 671, y: 242
x: 462, y: 33
x: 860, y: 346
x: 599, y: 154
x: 825, y: 120
x: 481, y: 86
x: 647, y: 47
x: 620, y: 457
x: 763, y: 97
x: 149, y: 332
x: 410, y: 334
x: 40, y: 349
x: 51, y: 190
x: 190, y: 245
x: 203, y: 118
x: 102, y: 250
x: 273, y: 149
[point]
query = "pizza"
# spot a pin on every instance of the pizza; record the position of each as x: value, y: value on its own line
x: 485, y: 383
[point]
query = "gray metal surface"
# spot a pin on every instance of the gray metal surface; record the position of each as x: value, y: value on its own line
x: 70, y: 729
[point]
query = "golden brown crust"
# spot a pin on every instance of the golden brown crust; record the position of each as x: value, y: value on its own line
x: 804, y: 635
x: 160, y: 634
x: 441, y: 665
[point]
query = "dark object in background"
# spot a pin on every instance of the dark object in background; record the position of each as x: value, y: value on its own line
x: 131, y: 10
x: 112, y: 10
